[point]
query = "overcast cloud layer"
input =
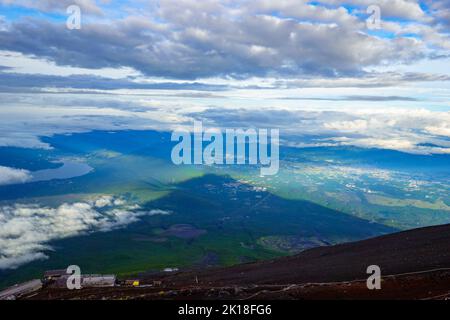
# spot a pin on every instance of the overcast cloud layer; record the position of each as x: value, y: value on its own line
x: 191, y: 39
x: 160, y: 64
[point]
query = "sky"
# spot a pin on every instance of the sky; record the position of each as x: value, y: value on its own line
x: 316, y: 70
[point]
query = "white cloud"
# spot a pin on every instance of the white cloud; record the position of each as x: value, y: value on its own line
x: 13, y: 176
x: 405, y: 9
x: 27, y: 229
x: 440, y: 130
x: 156, y: 212
x: 213, y: 38
x: 103, y: 201
x: 364, y: 123
x: 412, y: 131
x: 394, y: 144
x: 355, y: 125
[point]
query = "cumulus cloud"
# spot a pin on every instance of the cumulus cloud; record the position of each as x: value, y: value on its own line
x: 442, y: 129
x: 440, y: 10
x: 27, y: 229
x: 190, y: 39
x: 13, y: 176
x: 413, y: 131
x: 405, y: 9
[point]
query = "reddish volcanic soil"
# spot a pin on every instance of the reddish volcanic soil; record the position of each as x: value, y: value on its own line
x: 415, y: 265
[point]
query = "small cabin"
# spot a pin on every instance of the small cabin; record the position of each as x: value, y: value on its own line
x: 60, y: 282
x: 54, y: 274
x: 97, y: 281
x: 87, y: 281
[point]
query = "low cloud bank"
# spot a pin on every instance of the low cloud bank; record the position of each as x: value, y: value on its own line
x: 27, y: 229
x: 417, y: 131
x: 13, y: 176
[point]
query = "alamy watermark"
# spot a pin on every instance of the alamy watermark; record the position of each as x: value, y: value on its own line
x: 74, y: 20
x: 228, y: 147
x: 74, y: 280
x: 374, y: 21
x: 374, y: 281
